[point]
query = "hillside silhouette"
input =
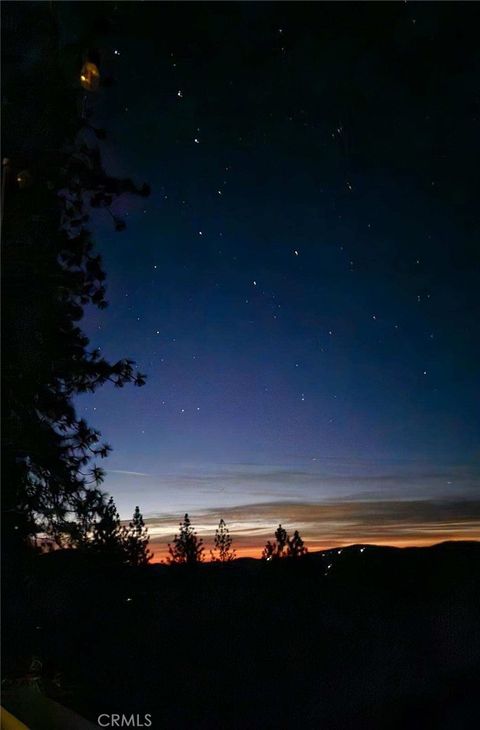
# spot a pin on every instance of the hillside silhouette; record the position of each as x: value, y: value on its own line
x: 383, y: 638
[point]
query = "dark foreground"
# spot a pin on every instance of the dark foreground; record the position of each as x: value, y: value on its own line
x: 385, y: 638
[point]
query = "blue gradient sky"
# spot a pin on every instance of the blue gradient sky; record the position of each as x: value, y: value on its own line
x: 301, y: 287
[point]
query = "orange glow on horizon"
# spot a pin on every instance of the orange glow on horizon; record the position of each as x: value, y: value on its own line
x: 161, y: 554
x: 325, y: 525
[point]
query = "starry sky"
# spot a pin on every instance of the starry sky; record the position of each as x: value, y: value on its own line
x: 301, y: 287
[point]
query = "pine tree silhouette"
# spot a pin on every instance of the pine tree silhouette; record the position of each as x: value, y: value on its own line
x: 137, y: 540
x: 51, y: 272
x: 280, y: 546
x: 282, y: 539
x: 109, y: 537
x: 269, y: 551
x: 296, y: 547
x: 78, y: 532
x: 222, y: 551
x: 187, y: 547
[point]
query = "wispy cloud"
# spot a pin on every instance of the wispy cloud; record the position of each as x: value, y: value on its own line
x: 310, y: 481
x: 129, y: 473
x: 331, y: 501
x: 331, y: 523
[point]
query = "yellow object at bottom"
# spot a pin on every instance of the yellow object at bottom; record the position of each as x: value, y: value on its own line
x: 9, y: 722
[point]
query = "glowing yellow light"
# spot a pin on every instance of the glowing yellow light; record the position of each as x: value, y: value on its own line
x: 90, y: 76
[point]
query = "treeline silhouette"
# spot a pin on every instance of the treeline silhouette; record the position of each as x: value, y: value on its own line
x: 103, y: 534
x: 187, y: 547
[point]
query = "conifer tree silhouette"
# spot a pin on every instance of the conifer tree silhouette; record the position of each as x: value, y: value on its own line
x: 187, y: 547
x: 109, y: 537
x: 51, y: 272
x: 78, y: 532
x: 222, y: 551
x: 137, y: 540
x: 283, y: 546
x: 269, y: 551
x: 296, y: 547
x: 282, y: 540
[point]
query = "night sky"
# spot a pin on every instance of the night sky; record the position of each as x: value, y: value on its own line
x: 301, y: 287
